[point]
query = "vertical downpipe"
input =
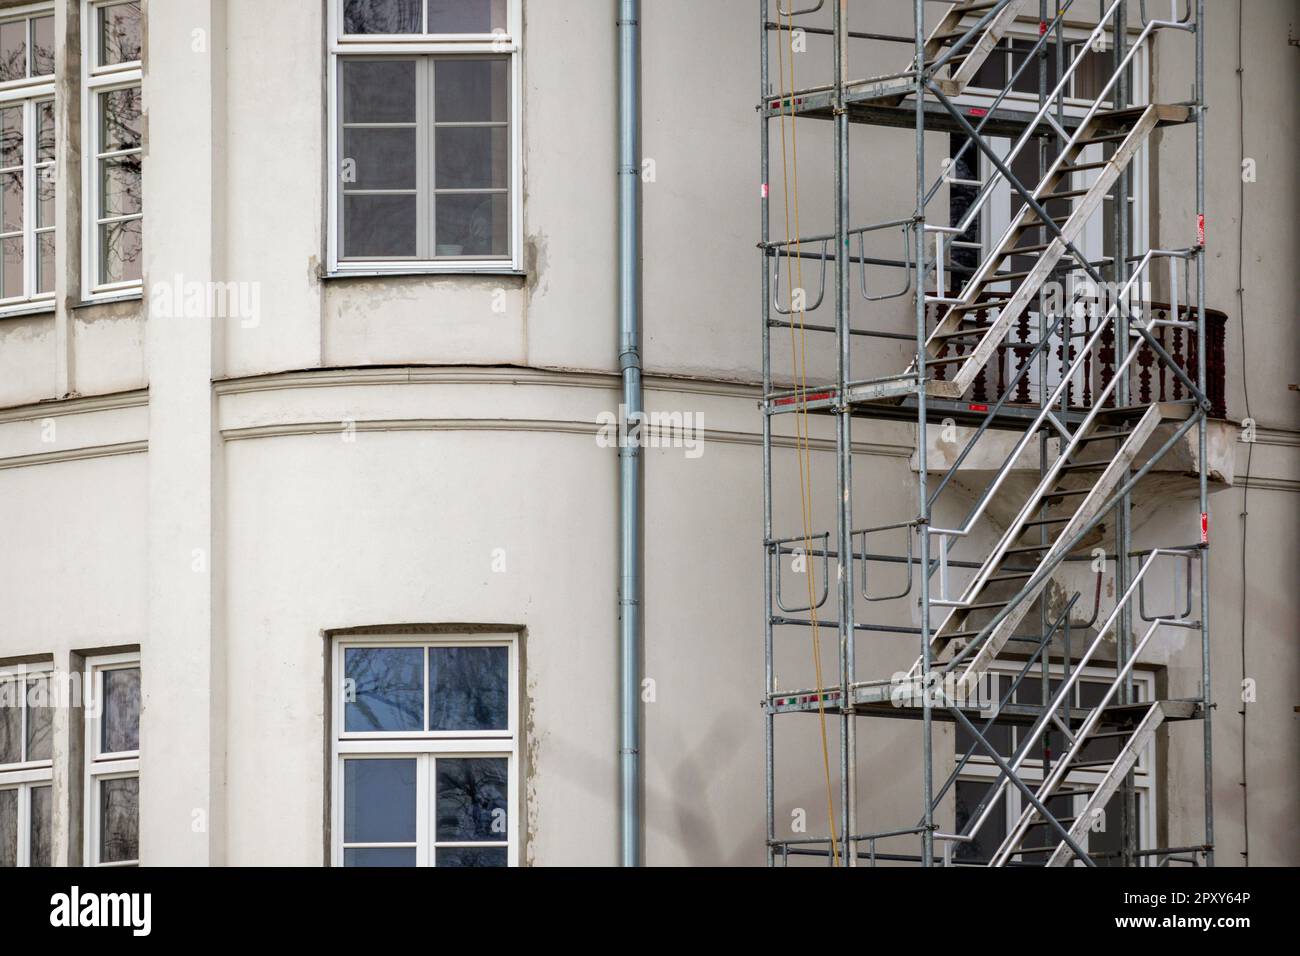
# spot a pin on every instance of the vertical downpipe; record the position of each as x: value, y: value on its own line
x: 1207, y: 698
x: 629, y: 455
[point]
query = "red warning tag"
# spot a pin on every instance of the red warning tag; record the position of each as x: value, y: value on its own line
x: 976, y: 111
x: 764, y: 190
x: 1200, y: 229
x: 1205, y: 528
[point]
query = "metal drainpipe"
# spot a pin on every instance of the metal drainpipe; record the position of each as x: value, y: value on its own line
x: 629, y: 456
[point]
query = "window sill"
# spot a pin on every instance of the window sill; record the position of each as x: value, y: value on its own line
x: 136, y: 295
x: 27, y: 309
x: 422, y: 273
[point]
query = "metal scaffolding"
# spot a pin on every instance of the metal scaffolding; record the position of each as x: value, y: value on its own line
x: 1026, y: 339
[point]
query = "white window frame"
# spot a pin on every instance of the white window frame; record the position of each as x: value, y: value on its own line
x: 29, y: 91
x: 508, y: 43
x: 99, y: 766
x: 97, y: 79
x: 981, y: 766
x: 26, y: 775
x: 425, y: 746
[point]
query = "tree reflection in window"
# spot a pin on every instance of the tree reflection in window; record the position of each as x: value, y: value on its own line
x: 469, y: 688
x: 472, y: 799
x: 121, y: 204
x: 384, y: 689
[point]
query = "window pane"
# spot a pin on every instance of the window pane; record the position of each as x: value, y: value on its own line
x: 119, y: 820
x: 119, y: 120
x: 45, y: 132
x: 11, y: 721
x: 471, y: 90
x: 119, y: 33
x: 378, y: 91
x: 42, y: 814
x: 379, y: 226
x: 45, y: 265
x: 11, y: 267
x: 11, y: 187
x: 379, y: 801
x: 120, y: 258
x: 994, y: 831
x: 11, y: 137
x: 43, y: 46
x: 466, y: 16
x: 471, y: 856
x: 381, y: 16
x: 1106, y: 832
x: 120, y: 730
x: 1044, y: 834
x: 119, y: 187
x: 472, y: 157
x: 380, y: 856
x: 40, y: 719
x: 13, y: 50
x: 992, y: 73
x: 472, y: 799
x: 380, y: 158
x: 469, y: 688
x: 8, y: 828
x: 473, y: 225
x: 45, y: 197
x: 385, y: 689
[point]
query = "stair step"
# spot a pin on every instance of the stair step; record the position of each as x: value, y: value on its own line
x: 1110, y: 733
x: 985, y: 607
x: 1066, y: 493
x: 1012, y: 576
x: 1083, y: 167
x: 1107, y: 138
x: 1086, y: 466
x: 949, y: 360
x: 1045, y: 521
x: 1028, y: 549
x: 1033, y: 222
x: 1108, y: 436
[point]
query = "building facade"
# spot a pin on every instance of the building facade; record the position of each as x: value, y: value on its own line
x: 308, y: 355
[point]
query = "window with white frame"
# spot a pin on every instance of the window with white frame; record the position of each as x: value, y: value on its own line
x: 112, y: 745
x: 980, y: 774
x: 424, y: 135
x: 112, y: 137
x: 425, y: 752
x: 26, y: 765
x: 26, y: 156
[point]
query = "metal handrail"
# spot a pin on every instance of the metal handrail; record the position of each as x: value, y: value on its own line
x: 1068, y: 684
x: 978, y: 510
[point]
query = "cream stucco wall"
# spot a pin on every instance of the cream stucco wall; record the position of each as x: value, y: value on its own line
x: 476, y: 430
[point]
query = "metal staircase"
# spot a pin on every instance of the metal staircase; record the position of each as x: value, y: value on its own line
x: 1089, y: 458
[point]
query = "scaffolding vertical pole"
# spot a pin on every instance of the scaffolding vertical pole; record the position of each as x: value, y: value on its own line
x: 1123, y: 524
x: 1043, y: 389
x: 843, y: 440
x: 1207, y: 701
x: 922, y: 493
x: 769, y: 682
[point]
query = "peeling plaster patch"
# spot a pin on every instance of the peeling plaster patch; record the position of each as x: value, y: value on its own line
x: 535, y: 260
x: 533, y: 748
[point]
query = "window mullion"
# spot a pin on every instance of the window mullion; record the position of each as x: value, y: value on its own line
x: 429, y: 207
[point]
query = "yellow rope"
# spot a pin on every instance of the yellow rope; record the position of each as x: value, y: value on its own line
x: 799, y: 362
